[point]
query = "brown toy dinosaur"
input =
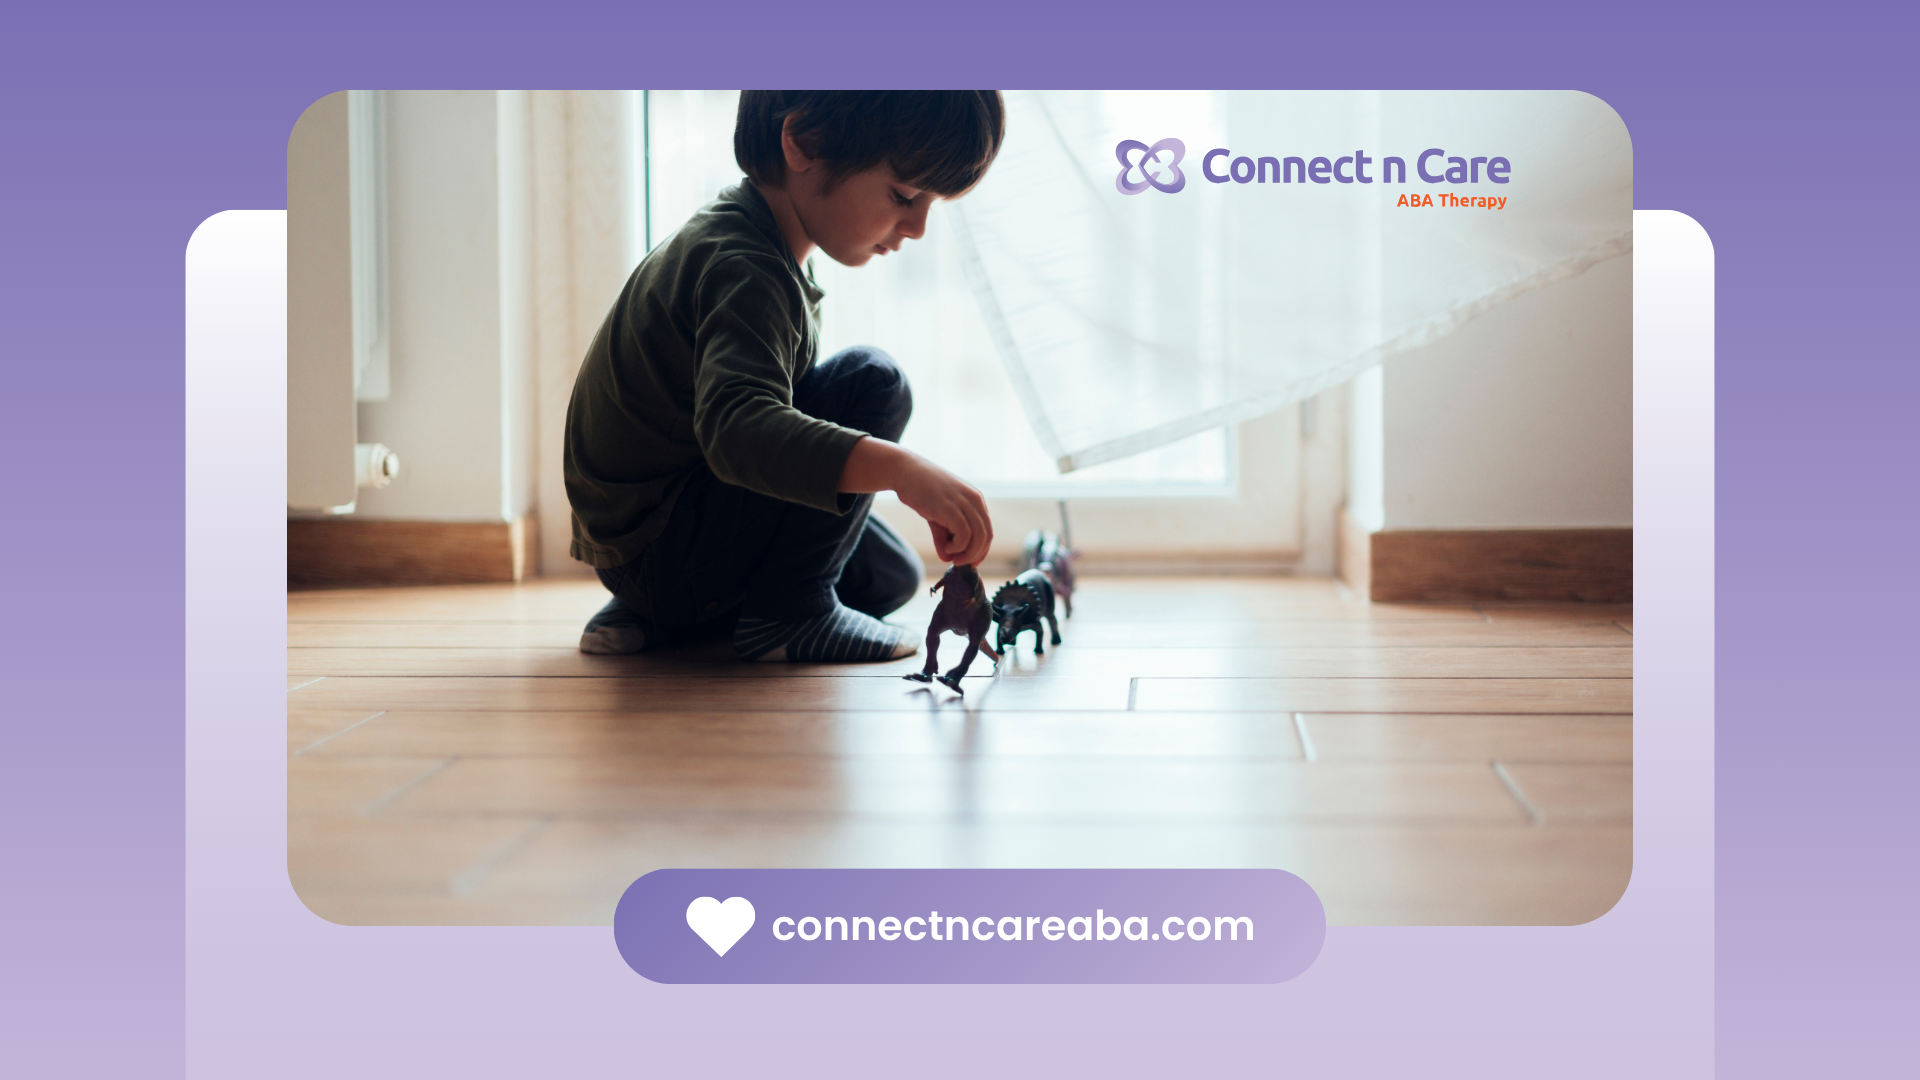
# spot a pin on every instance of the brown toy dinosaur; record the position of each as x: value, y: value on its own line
x: 963, y: 610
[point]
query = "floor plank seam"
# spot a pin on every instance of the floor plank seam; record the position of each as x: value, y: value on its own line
x: 389, y: 797
x: 1009, y: 820
x: 1520, y: 796
x: 955, y: 709
x: 719, y: 677
x: 1009, y: 714
x: 1155, y: 758
x: 339, y: 733
x: 1080, y: 646
x: 470, y: 879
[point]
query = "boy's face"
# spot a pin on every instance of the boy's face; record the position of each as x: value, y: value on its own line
x: 868, y: 213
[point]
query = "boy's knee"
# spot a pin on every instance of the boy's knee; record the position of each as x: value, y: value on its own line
x: 882, y: 387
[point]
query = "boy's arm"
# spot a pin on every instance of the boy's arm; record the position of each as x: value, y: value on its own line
x: 955, y: 511
x: 748, y: 343
x: 753, y: 437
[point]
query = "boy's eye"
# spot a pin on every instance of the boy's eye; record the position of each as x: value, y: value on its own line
x: 900, y: 199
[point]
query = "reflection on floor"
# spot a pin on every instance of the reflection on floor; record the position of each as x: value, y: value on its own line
x: 453, y: 759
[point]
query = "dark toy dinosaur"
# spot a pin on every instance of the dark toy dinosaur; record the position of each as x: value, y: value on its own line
x: 1044, y: 552
x: 963, y: 610
x: 1019, y: 605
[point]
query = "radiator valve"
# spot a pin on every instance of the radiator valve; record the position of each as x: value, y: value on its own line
x: 374, y: 465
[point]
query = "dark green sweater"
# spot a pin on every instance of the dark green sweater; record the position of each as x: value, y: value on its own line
x: 696, y: 362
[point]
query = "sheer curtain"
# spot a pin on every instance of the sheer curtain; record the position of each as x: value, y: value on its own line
x: 1130, y: 322
x: 916, y: 304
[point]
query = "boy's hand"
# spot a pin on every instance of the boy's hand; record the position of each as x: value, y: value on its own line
x: 956, y: 512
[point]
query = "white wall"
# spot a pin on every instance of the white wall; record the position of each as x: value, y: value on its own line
x: 320, y: 406
x: 513, y: 221
x: 1366, y: 449
x: 1521, y: 419
x: 461, y: 409
x: 513, y: 152
x: 588, y: 200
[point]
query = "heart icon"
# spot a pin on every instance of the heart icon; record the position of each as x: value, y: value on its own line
x: 718, y: 924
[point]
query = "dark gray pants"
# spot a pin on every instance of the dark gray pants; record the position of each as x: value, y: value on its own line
x: 728, y: 552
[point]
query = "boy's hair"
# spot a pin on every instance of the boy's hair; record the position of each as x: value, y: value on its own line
x: 936, y: 140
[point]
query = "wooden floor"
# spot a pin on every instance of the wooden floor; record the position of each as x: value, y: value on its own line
x: 453, y: 759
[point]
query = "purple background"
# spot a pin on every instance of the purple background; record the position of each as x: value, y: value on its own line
x: 123, y: 128
x: 1289, y: 925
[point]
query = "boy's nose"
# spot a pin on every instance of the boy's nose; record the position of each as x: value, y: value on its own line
x: 914, y: 225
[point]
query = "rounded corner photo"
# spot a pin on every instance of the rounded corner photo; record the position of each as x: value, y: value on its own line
x: 959, y: 480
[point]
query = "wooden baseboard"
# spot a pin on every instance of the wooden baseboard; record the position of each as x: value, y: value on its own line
x: 346, y: 551
x: 1589, y: 565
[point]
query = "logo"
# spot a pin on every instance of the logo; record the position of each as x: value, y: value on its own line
x: 720, y: 925
x: 1149, y: 164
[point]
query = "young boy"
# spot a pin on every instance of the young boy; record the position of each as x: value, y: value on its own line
x: 720, y: 473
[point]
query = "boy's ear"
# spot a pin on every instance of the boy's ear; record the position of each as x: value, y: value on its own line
x: 796, y: 155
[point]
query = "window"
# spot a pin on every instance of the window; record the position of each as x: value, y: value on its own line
x: 1187, y: 498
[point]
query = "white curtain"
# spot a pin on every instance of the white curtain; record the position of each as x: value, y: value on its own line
x: 1127, y: 322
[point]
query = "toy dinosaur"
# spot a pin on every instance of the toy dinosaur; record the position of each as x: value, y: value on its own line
x: 1019, y: 605
x: 1044, y: 552
x: 963, y: 610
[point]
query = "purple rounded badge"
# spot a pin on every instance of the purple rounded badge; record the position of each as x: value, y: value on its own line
x: 969, y: 926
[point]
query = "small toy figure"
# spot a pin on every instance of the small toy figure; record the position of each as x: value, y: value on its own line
x: 963, y: 610
x: 1044, y: 552
x: 1019, y: 605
